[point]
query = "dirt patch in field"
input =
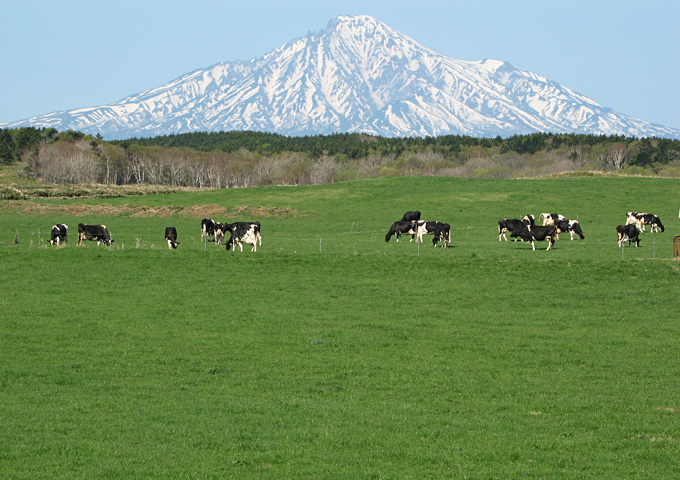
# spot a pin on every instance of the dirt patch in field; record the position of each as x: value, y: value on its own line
x: 130, y: 210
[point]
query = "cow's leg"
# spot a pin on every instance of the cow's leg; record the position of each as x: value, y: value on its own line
x: 533, y: 246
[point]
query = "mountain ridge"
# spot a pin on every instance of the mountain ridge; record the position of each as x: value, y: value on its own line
x: 356, y: 75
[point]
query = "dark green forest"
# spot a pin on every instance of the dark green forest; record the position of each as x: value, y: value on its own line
x: 242, y: 159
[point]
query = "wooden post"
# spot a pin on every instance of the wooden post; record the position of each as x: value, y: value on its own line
x: 676, y: 244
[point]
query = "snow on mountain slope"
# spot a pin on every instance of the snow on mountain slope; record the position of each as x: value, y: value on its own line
x: 356, y: 75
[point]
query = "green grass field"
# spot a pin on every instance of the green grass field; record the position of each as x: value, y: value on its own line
x: 332, y: 354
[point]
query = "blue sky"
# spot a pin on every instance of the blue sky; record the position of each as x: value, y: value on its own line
x: 68, y: 54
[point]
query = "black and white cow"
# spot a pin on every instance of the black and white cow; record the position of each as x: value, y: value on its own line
x: 94, y: 232
x: 641, y: 219
x: 244, y: 232
x: 570, y: 226
x: 551, y: 218
x: 506, y: 225
x: 402, y: 228
x: 529, y: 219
x: 537, y: 233
x: 408, y: 216
x: 628, y: 233
x: 442, y: 232
x: 171, y: 237
x: 575, y: 229
x: 59, y: 233
x: 438, y: 230
x: 219, y: 229
x: 207, y: 230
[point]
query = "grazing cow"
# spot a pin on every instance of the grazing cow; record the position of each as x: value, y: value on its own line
x: 408, y: 216
x: 171, y: 237
x: 402, y: 228
x: 94, y: 232
x: 537, y: 233
x: 219, y: 229
x: 628, y: 232
x: 207, y: 230
x: 438, y: 230
x: 571, y: 226
x: 641, y: 219
x: 244, y: 232
x: 551, y: 218
x: 575, y: 229
x: 59, y: 234
x: 510, y: 225
x: 442, y: 232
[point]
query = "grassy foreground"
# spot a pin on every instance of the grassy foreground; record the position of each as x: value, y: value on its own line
x: 332, y: 354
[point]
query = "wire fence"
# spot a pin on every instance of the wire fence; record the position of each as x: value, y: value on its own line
x: 354, y: 241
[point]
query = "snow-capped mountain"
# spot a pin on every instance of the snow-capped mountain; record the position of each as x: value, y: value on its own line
x: 356, y: 75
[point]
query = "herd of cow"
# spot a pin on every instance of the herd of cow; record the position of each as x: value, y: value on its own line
x: 241, y: 232
x: 525, y: 229
x: 553, y: 224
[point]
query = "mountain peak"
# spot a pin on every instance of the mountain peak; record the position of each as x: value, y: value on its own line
x: 355, y: 75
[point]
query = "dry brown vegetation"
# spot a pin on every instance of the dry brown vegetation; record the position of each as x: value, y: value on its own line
x: 193, y: 211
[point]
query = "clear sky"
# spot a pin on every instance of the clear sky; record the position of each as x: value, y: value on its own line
x: 69, y: 54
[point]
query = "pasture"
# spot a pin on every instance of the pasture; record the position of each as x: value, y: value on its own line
x: 332, y: 354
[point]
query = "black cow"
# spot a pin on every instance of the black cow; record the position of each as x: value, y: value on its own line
x: 94, y: 232
x: 59, y: 234
x: 628, y: 232
x: 510, y: 225
x: 244, y: 232
x: 171, y: 237
x: 537, y: 233
x: 402, y: 228
x: 408, y: 216
x: 207, y: 230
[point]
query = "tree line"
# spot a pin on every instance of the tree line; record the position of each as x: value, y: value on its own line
x: 242, y: 159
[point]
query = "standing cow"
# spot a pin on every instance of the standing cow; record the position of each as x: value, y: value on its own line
x: 207, y: 230
x: 94, y: 232
x: 402, y: 228
x: 537, y: 233
x: 629, y: 233
x: 171, y: 237
x: 59, y: 233
x: 408, y: 216
x: 244, y: 232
